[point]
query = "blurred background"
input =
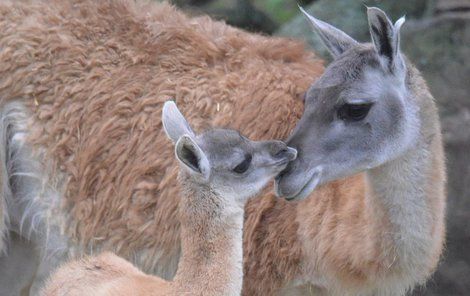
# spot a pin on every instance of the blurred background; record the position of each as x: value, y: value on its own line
x: 436, y: 37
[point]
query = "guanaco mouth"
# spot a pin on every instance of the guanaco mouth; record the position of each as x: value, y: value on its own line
x: 306, y: 189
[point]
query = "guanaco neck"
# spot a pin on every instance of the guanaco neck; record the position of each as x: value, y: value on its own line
x: 211, y: 240
x: 409, y: 191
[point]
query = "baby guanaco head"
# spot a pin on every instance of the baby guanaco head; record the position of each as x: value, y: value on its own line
x: 223, y: 160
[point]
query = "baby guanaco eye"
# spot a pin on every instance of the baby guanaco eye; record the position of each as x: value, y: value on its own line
x: 244, y: 165
x: 354, y: 112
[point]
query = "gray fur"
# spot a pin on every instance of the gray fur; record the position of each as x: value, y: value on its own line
x: 5, y: 122
x: 331, y: 147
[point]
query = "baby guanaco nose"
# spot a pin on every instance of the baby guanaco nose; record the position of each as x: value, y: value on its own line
x: 281, y: 150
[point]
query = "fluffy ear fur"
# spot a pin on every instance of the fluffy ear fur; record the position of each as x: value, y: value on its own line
x: 334, y: 39
x: 192, y: 157
x: 386, y: 38
x: 174, y: 123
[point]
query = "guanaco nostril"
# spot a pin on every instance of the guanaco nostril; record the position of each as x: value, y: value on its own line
x: 287, y: 152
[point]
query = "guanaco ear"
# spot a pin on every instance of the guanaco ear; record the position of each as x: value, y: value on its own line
x: 386, y: 38
x: 174, y: 123
x: 335, y: 40
x: 192, y: 157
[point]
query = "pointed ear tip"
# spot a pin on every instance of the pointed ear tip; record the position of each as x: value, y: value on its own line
x: 374, y: 8
x: 170, y: 111
x: 304, y: 12
x: 316, y: 23
x: 375, y: 11
x: 168, y: 105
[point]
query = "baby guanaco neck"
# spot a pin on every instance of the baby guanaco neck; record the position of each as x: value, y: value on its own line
x: 211, y: 239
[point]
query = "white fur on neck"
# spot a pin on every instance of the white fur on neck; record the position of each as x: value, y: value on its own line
x: 236, y: 259
x: 229, y: 223
x: 233, y: 211
x: 399, y: 186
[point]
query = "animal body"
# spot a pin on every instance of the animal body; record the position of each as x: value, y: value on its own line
x: 371, y: 112
x: 220, y: 170
x: 85, y: 166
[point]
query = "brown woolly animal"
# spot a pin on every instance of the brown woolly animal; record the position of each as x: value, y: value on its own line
x: 86, y: 167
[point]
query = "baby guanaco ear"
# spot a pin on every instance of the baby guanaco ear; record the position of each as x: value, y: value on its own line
x: 174, y: 123
x: 192, y: 158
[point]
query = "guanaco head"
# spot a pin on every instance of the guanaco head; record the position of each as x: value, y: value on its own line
x: 224, y: 160
x: 358, y: 115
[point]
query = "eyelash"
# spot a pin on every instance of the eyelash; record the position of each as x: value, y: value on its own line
x: 244, y: 165
x: 354, y: 112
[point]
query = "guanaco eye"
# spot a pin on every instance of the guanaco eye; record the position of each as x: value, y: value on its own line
x: 353, y: 112
x: 244, y: 165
